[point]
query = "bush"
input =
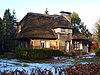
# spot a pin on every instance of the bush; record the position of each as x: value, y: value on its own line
x: 56, y: 53
x: 75, y: 53
x: 37, y: 53
x: 4, y: 51
x: 98, y: 52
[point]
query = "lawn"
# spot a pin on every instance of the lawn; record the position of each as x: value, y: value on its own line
x: 95, y: 59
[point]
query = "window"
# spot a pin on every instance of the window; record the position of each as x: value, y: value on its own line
x: 76, y: 45
x: 62, y: 30
x: 47, y: 44
x: 56, y: 43
x: 42, y: 45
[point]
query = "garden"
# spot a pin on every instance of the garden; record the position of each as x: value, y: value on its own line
x: 48, y: 62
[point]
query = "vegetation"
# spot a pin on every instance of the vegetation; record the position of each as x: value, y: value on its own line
x: 37, y: 53
x: 46, y: 11
x: 98, y: 52
x: 96, y: 29
x: 7, y: 30
x: 79, y: 25
x: 95, y: 59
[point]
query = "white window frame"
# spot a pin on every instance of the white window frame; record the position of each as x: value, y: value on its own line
x: 47, y: 45
x: 42, y: 44
x: 62, y: 30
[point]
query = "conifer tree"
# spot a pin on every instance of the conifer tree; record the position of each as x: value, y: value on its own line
x: 9, y: 22
x: 79, y: 26
x: 46, y: 11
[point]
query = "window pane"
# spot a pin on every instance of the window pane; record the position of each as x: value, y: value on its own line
x: 62, y: 30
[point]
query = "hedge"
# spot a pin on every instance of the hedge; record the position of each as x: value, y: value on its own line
x: 3, y: 51
x: 37, y: 53
x: 98, y: 52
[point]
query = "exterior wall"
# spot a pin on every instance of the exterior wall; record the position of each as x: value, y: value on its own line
x: 18, y: 29
x: 60, y: 43
x: 63, y: 36
x: 47, y: 44
x: 80, y: 46
x: 35, y: 44
x: 85, y: 48
x: 67, y: 31
x: 70, y: 38
x: 57, y: 30
x: 62, y: 40
x: 54, y: 44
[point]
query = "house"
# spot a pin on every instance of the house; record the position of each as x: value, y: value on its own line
x: 37, y: 30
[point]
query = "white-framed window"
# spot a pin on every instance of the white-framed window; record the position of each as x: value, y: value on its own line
x: 76, y: 45
x: 62, y: 30
x: 42, y: 44
x: 45, y: 44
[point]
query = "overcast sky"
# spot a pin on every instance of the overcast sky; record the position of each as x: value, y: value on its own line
x: 88, y: 10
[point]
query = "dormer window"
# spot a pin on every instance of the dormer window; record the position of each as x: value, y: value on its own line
x: 62, y: 30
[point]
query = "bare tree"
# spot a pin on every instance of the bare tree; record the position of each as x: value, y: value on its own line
x: 96, y: 32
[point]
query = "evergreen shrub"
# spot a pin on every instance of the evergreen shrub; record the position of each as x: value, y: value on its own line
x: 98, y: 52
x: 37, y: 53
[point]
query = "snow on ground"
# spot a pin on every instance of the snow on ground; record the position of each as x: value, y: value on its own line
x: 7, y: 65
x: 92, y: 54
x: 13, y: 64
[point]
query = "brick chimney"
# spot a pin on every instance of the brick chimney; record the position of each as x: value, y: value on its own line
x: 67, y: 15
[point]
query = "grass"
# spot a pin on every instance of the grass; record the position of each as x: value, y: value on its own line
x: 95, y: 59
x: 2, y: 56
x: 36, y: 61
x: 25, y: 65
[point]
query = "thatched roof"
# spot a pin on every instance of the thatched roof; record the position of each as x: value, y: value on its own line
x: 39, y: 26
x: 61, y: 22
x: 79, y: 36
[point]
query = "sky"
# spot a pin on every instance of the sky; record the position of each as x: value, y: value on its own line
x: 88, y: 10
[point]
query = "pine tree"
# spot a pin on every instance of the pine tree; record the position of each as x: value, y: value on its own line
x: 9, y: 22
x: 75, y: 19
x: 79, y: 26
x: 1, y: 34
x: 46, y: 11
x: 1, y: 29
